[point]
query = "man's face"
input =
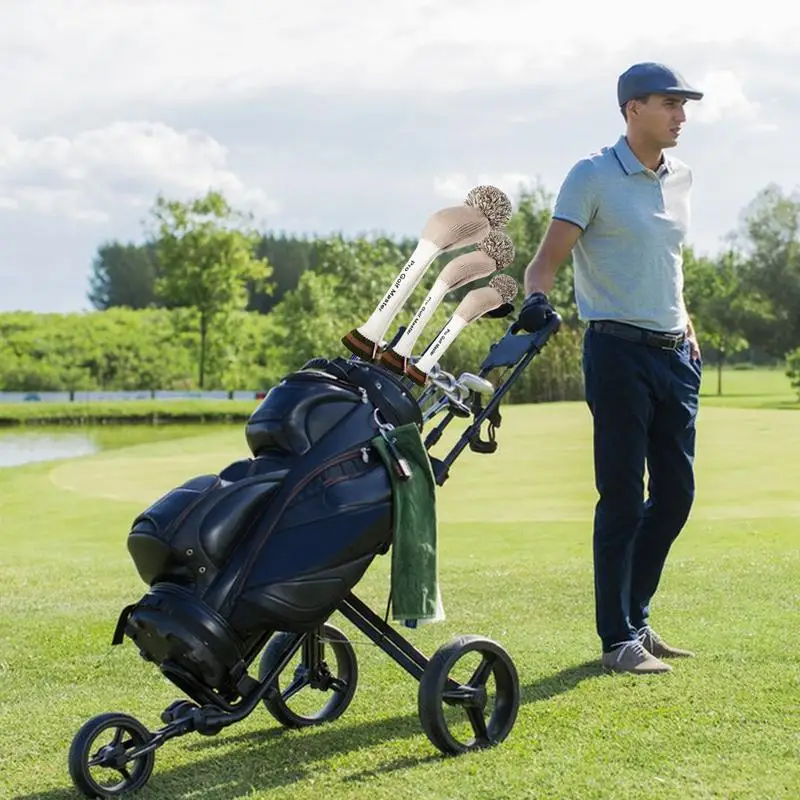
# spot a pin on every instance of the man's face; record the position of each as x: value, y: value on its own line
x: 660, y: 118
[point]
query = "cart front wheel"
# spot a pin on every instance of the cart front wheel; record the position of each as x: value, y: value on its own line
x: 469, y: 695
x: 111, y: 767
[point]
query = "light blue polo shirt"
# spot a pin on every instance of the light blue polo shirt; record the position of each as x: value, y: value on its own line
x: 629, y: 258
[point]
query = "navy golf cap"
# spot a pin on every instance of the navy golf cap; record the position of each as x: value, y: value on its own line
x: 651, y: 78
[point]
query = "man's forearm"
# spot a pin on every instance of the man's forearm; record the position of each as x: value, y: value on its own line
x: 553, y: 251
x: 540, y: 275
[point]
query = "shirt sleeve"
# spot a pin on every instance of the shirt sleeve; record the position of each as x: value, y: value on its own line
x: 577, y: 199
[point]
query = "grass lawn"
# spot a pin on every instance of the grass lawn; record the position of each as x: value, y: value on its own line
x: 756, y: 388
x: 515, y: 550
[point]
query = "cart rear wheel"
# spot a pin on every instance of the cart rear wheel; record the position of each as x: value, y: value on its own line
x: 295, y: 704
x: 468, y: 706
x: 106, y: 769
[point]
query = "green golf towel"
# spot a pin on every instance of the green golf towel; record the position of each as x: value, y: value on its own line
x: 415, y: 595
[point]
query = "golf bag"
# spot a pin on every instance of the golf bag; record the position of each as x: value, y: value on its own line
x: 273, y: 542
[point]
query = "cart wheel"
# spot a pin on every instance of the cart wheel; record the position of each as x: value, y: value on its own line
x: 310, y: 683
x: 107, y: 770
x: 490, y: 710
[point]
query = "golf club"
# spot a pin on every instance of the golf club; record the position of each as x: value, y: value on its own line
x: 452, y: 394
x: 455, y: 392
x: 474, y: 383
x: 501, y: 290
x: 493, y: 253
x: 485, y: 208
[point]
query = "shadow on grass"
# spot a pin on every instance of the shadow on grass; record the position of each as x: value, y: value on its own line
x: 282, y: 757
x: 563, y: 681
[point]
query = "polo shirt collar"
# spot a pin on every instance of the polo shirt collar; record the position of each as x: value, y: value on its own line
x: 628, y: 161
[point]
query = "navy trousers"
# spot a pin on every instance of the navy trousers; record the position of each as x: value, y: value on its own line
x: 644, y: 403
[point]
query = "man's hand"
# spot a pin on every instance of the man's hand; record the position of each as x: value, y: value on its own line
x: 535, y: 312
x: 694, y: 345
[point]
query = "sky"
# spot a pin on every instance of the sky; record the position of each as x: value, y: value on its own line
x: 355, y: 117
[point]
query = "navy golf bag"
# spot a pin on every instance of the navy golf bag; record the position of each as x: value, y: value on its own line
x: 273, y: 542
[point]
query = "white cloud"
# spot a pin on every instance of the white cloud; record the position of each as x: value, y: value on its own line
x: 361, y: 120
x: 724, y: 99
x: 454, y: 186
x: 105, y: 52
x: 121, y: 165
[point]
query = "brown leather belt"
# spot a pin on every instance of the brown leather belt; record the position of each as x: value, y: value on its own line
x: 664, y: 341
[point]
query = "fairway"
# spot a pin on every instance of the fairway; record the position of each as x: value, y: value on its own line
x: 515, y: 565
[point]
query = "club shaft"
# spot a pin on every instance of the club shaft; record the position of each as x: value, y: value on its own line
x: 400, y: 290
x: 426, y: 310
x: 438, y: 347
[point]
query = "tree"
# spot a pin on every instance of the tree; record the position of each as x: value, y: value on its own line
x: 527, y: 228
x: 205, y: 256
x: 719, y: 306
x: 793, y: 370
x: 289, y: 257
x: 115, y: 349
x: 769, y: 241
x: 123, y: 275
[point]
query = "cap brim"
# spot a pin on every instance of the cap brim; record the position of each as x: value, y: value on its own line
x: 689, y: 94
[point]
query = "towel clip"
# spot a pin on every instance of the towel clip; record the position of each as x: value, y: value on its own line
x: 403, y: 468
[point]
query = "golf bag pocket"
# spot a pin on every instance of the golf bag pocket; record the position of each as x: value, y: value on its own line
x: 325, y: 540
x: 186, y: 535
x: 310, y: 403
x: 191, y: 643
x: 298, y: 412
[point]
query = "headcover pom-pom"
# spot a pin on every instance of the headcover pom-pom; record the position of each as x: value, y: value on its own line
x: 492, y: 202
x: 505, y: 286
x: 499, y: 246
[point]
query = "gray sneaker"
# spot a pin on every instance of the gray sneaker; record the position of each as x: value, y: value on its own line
x: 632, y: 657
x: 654, y: 644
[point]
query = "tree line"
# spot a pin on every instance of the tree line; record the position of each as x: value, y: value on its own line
x: 207, y: 301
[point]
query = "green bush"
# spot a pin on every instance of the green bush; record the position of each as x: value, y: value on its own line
x: 124, y: 349
x: 793, y: 369
x: 155, y: 349
x: 312, y: 318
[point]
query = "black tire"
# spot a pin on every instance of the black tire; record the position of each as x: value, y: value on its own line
x: 345, y: 679
x: 436, y: 688
x: 81, y: 754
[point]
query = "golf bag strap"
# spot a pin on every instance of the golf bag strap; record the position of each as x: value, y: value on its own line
x: 119, y: 631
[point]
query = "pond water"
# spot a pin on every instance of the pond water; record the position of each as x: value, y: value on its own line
x: 25, y: 448
x: 28, y: 445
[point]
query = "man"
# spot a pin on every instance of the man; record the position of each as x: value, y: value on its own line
x: 624, y: 212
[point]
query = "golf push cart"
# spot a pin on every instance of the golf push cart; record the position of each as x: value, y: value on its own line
x: 249, y: 564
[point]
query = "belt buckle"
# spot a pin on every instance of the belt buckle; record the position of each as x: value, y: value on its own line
x: 674, y: 341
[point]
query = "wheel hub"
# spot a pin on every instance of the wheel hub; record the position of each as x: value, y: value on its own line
x: 111, y: 755
x: 320, y: 678
x: 467, y: 697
